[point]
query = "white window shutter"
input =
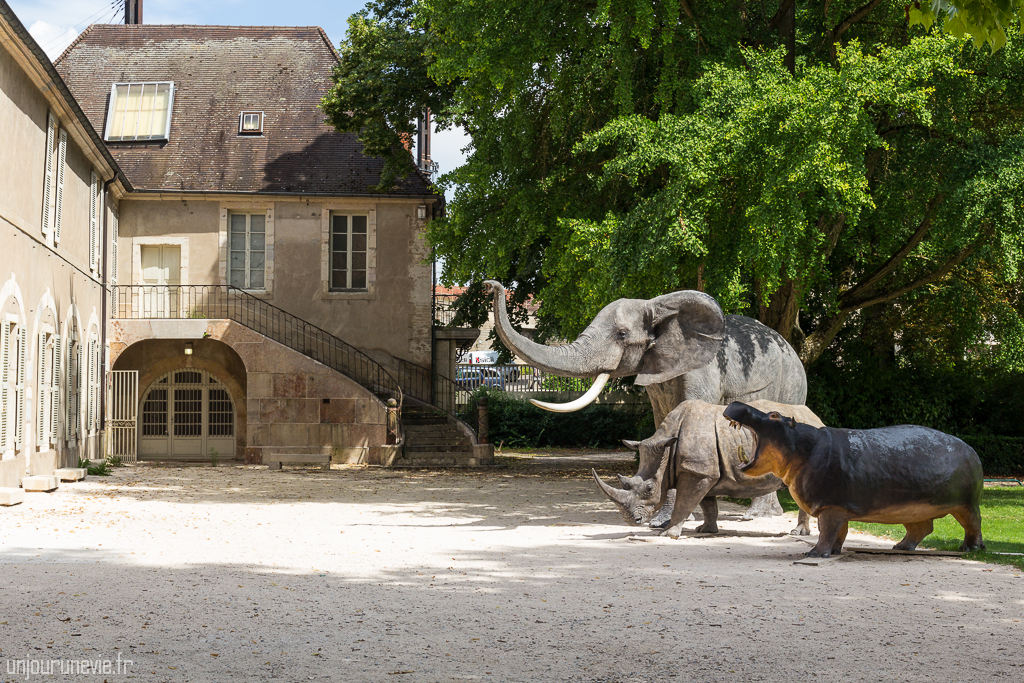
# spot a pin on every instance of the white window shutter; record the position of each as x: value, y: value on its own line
x: 97, y: 383
x: 19, y: 427
x: 73, y: 370
x: 113, y: 264
x: 55, y: 388
x: 41, y: 386
x: 93, y: 237
x: 51, y: 124
x: 88, y: 389
x: 5, y: 395
x: 58, y: 209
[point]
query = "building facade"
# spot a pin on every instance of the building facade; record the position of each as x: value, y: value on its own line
x: 198, y: 266
x: 59, y: 191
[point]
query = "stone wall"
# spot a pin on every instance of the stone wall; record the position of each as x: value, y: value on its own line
x: 285, y: 401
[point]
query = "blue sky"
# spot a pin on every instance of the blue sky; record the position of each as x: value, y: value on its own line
x: 55, y: 23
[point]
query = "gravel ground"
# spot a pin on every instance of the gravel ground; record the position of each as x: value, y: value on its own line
x: 521, y: 574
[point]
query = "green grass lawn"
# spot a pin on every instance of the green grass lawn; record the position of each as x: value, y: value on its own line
x: 1002, y: 526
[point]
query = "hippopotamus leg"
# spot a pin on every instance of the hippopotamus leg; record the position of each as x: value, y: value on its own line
x: 969, y: 517
x: 690, y: 490
x: 709, y: 506
x: 803, y: 524
x: 833, y: 523
x: 916, y: 531
x: 763, y: 506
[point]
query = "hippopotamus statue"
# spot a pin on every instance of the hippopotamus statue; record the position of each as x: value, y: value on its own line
x: 907, y: 475
x: 694, y: 452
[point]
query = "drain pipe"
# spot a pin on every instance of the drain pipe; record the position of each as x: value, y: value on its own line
x: 104, y: 285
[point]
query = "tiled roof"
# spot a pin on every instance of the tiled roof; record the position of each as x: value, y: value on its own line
x: 218, y: 72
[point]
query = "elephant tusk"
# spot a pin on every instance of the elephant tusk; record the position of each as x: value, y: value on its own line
x: 583, y: 401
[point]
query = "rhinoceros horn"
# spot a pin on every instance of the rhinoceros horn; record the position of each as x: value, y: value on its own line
x: 627, y: 482
x: 617, y: 496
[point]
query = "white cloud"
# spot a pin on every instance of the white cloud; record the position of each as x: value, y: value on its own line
x: 52, y: 38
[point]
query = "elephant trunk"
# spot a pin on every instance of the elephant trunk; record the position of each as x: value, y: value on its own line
x: 569, y: 360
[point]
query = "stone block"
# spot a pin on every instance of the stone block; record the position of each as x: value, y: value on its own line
x: 70, y: 473
x: 259, y: 385
x: 290, y: 385
x: 11, y: 471
x: 350, y: 455
x: 253, y: 456
x: 11, y: 496
x: 39, y: 482
x: 288, y: 435
x: 252, y: 408
x: 356, y: 435
x: 297, y: 410
x: 338, y: 411
x: 43, y: 462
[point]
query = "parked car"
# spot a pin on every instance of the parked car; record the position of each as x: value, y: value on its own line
x: 468, y: 379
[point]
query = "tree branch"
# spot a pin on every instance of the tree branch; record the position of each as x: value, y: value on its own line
x: 894, y: 261
x: 852, y: 19
x: 949, y: 265
x: 780, y: 15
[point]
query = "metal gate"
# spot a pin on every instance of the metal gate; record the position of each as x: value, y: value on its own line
x: 122, y: 411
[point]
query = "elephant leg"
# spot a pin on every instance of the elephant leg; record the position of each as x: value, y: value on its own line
x: 709, y: 506
x: 763, y: 506
x: 660, y: 520
x: 916, y: 531
x: 803, y: 524
x: 832, y: 528
x: 690, y: 490
x: 969, y: 517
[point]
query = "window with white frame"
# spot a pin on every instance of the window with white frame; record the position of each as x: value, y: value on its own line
x: 247, y: 250
x: 250, y: 123
x: 348, y: 252
x: 12, y: 384
x: 139, y: 111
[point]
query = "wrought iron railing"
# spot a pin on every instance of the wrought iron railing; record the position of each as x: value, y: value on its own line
x: 444, y: 309
x: 224, y: 302
x: 515, y: 378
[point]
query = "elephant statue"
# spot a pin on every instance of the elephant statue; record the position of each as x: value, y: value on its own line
x: 680, y: 346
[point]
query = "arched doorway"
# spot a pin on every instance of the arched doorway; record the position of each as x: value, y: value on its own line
x: 187, y: 415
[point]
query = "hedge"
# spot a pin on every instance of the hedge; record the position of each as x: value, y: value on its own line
x: 1001, y: 456
x: 516, y: 422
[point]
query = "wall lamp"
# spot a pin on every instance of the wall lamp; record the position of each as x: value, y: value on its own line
x: 188, y: 348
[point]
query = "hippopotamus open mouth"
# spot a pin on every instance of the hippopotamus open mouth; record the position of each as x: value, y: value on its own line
x: 739, y: 414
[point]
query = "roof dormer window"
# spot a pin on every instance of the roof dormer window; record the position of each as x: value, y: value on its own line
x: 250, y: 123
x: 139, y: 111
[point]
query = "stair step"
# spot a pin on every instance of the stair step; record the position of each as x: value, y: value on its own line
x: 440, y: 448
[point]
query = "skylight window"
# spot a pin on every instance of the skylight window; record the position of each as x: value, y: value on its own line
x: 250, y: 123
x: 140, y: 111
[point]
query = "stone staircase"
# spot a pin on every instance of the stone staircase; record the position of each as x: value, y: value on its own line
x: 433, y: 440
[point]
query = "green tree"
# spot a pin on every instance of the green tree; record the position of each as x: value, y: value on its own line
x: 810, y: 163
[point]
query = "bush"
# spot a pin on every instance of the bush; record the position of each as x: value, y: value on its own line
x: 516, y: 422
x: 1001, y: 456
x: 981, y: 407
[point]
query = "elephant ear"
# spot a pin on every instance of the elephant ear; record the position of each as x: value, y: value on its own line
x: 687, y: 329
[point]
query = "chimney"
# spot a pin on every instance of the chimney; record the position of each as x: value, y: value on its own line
x: 423, y: 161
x: 133, y: 12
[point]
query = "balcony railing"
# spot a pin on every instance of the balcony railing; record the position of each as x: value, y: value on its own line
x: 224, y: 302
x: 444, y: 309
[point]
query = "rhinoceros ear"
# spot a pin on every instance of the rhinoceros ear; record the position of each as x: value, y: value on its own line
x: 686, y: 330
x: 665, y: 456
x: 631, y: 445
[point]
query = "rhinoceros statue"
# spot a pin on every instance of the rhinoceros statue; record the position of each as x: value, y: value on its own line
x: 695, y: 452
